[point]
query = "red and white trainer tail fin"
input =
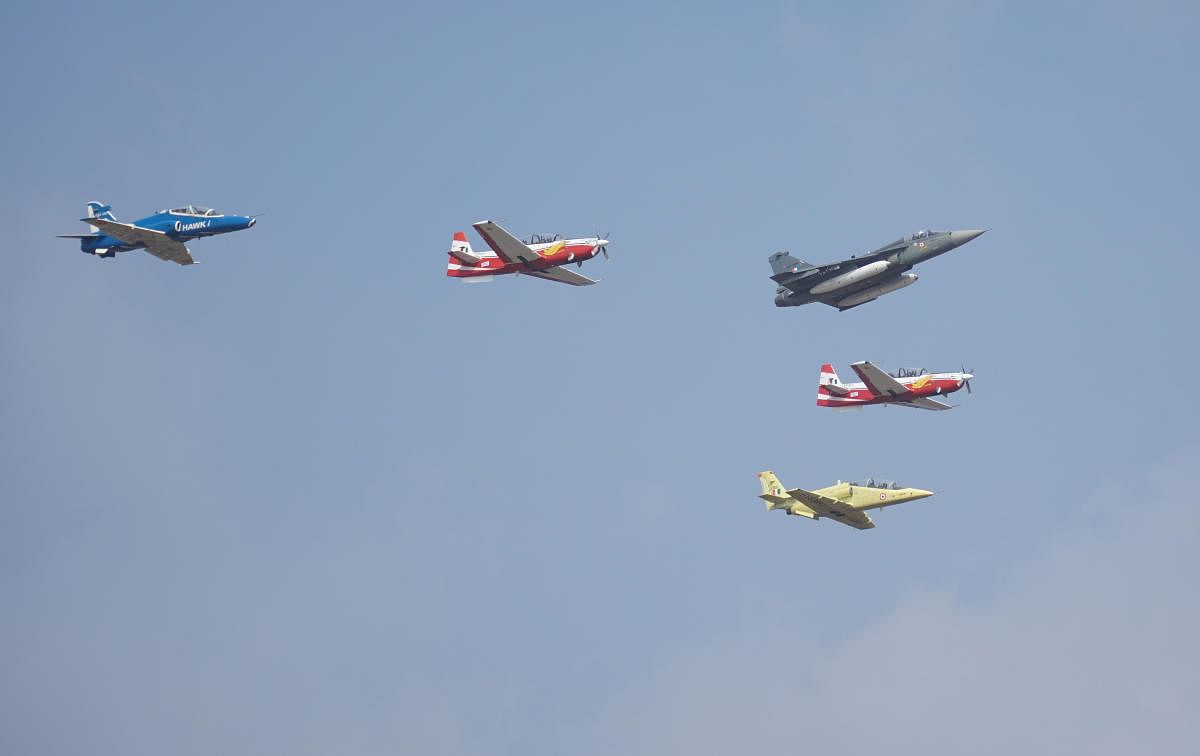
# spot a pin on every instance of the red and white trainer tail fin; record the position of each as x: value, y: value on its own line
x: 460, y: 250
x: 829, y: 384
x: 829, y: 376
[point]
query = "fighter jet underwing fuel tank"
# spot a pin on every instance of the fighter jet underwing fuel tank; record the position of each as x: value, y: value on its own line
x: 875, y: 292
x: 848, y: 279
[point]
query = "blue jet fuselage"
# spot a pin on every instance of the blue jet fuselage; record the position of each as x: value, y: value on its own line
x: 181, y: 227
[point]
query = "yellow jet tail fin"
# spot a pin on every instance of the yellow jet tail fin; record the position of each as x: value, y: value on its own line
x: 773, y: 491
x: 771, y: 484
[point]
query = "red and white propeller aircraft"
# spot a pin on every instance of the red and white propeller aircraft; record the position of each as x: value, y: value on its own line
x: 907, y: 388
x: 541, y: 257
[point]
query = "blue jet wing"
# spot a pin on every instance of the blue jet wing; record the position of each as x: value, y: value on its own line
x: 156, y: 243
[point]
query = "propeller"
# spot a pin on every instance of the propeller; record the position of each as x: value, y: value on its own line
x: 604, y: 247
x: 967, y: 381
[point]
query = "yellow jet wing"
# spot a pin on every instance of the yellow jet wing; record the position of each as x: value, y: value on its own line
x: 833, y: 509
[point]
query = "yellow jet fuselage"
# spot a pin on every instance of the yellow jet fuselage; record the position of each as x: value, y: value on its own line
x: 861, y: 496
x: 839, y: 501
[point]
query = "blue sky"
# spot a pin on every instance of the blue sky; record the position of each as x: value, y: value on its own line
x: 311, y: 496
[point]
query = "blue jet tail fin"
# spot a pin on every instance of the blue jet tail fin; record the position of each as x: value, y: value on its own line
x: 99, y: 210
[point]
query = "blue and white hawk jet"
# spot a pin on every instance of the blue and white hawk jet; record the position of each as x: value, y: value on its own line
x: 162, y: 234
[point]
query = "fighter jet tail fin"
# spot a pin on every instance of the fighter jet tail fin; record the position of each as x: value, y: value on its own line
x: 99, y: 210
x: 782, y: 262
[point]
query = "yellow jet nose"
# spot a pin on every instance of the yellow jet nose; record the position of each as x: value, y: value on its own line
x: 919, y: 493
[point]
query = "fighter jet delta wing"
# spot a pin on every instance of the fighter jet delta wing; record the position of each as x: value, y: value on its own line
x: 508, y: 247
x: 880, y: 383
x: 156, y: 242
x: 833, y: 509
x: 560, y: 274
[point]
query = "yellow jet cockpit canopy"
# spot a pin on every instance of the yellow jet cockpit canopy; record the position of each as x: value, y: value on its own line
x: 889, y: 485
x: 204, y: 212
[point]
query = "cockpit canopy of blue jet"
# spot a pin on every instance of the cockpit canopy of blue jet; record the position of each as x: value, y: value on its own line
x: 162, y: 234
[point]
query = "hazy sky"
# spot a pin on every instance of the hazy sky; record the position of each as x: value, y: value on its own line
x: 313, y: 497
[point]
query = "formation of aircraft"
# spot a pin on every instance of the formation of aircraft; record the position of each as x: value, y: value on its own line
x: 541, y: 257
x: 162, y: 234
x: 907, y: 388
x: 860, y: 279
x: 844, y: 284
x: 845, y: 502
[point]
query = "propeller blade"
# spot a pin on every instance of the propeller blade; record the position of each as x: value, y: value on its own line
x: 604, y: 251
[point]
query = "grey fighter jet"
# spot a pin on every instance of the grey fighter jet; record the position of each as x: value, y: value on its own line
x: 862, y: 278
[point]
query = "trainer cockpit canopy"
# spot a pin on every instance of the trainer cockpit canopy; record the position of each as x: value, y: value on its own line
x: 205, y: 212
x: 890, y: 485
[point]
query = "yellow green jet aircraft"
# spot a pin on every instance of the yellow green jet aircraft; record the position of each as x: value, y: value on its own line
x: 845, y: 502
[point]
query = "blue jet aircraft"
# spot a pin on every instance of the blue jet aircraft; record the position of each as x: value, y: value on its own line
x: 162, y: 234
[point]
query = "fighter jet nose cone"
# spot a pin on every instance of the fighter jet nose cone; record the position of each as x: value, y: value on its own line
x: 251, y: 222
x: 962, y: 237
